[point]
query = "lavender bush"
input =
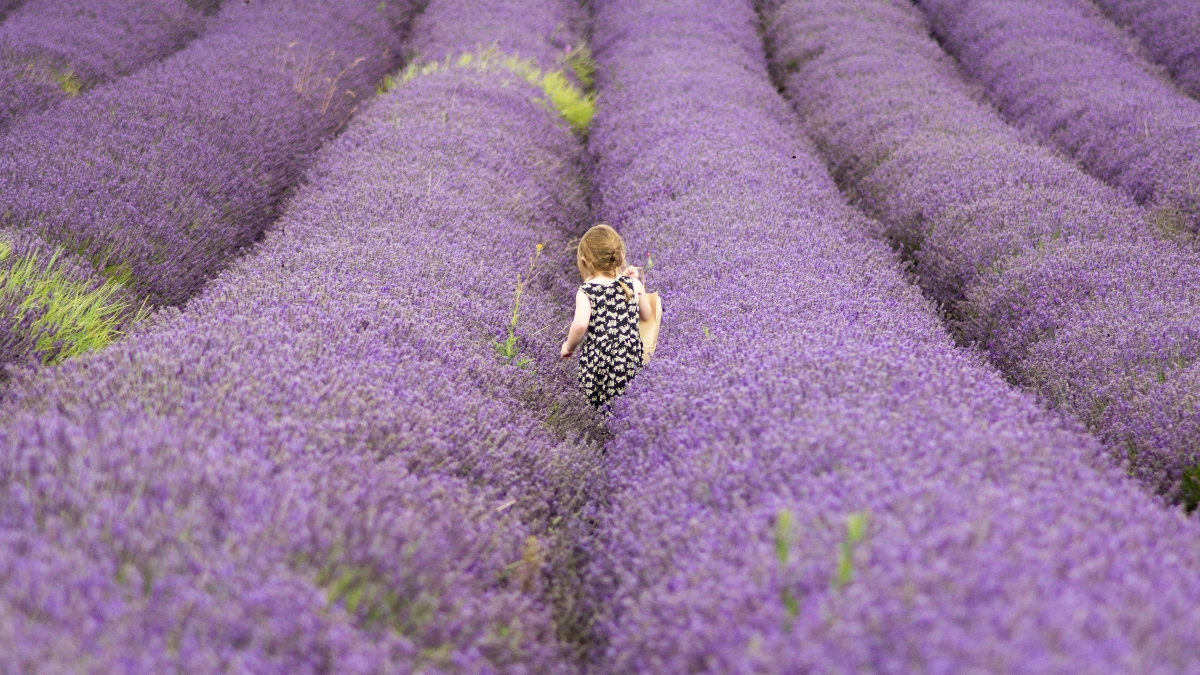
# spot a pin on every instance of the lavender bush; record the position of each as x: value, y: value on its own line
x: 810, y: 477
x: 1054, y: 275
x: 165, y: 191
x: 1070, y: 78
x: 7, y: 6
x: 52, y: 50
x: 324, y: 465
x: 1169, y: 30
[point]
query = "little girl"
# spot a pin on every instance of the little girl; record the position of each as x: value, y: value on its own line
x: 607, y: 308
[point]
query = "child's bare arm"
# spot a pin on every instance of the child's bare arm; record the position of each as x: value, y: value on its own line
x: 583, y: 314
x: 645, y: 311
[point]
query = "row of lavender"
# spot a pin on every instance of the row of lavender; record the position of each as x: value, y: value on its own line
x: 1055, y: 275
x: 1067, y: 75
x: 145, y: 182
x: 54, y: 304
x: 324, y: 465
x: 1169, y: 31
x: 51, y: 50
x: 810, y: 477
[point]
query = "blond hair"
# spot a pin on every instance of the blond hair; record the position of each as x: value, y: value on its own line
x: 601, y: 251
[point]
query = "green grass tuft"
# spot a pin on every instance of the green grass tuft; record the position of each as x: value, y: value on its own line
x: 69, y: 83
x: 583, y: 65
x: 62, y: 76
x: 856, y: 529
x: 1190, y: 488
x: 70, y: 317
x: 575, y: 105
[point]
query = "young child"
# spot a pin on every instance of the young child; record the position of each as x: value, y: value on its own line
x: 607, y: 308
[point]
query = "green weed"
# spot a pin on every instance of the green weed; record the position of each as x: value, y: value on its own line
x: 783, y: 542
x: 68, y: 82
x: 583, y: 65
x: 856, y: 528
x: 71, y: 317
x: 507, y: 348
x: 1190, y: 489
x: 573, y: 104
x: 62, y: 76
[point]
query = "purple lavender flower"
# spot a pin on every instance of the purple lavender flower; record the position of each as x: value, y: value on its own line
x: 7, y: 6
x: 162, y: 175
x: 322, y: 465
x: 1069, y: 77
x: 1169, y: 30
x: 52, y: 50
x: 810, y: 477
x: 1059, y: 279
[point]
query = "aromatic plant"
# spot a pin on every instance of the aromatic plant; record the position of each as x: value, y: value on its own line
x: 1066, y: 75
x: 1168, y: 30
x: 7, y: 6
x: 170, y: 171
x: 52, y: 50
x: 810, y: 476
x: 1058, y: 279
x: 321, y: 465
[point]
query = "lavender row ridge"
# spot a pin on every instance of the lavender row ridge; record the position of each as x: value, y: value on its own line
x: 155, y: 188
x: 1065, y: 74
x: 1169, y: 30
x: 326, y: 464
x: 51, y: 51
x: 1053, y: 274
x: 810, y: 477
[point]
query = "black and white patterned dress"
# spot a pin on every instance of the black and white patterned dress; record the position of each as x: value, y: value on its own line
x: 612, y: 352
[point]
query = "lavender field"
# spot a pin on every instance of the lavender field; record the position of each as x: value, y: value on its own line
x: 283, y: 284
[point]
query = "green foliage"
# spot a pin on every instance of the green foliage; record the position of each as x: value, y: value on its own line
x: 368, y: 595
x: 364, y: 593
x: 576, y: 106
x: 783, y: 527
x: 856, y: 528
x: 68, y: 82
x: 59, y: 74
x: 507, y: 348
x: 783, y: 542
x: 70, y: 317
x: 581, y: 63
x: 1190, y: 489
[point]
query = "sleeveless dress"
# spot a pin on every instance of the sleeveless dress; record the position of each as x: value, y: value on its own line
x: 612, y: 352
